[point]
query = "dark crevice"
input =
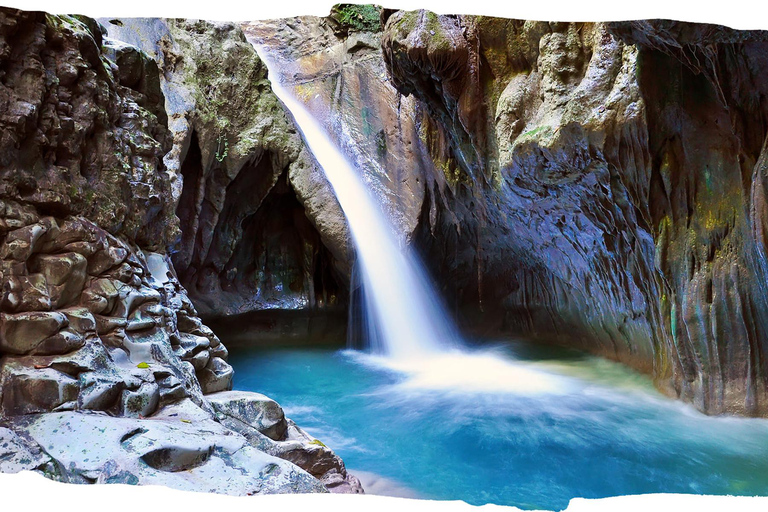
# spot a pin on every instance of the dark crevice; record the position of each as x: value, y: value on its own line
x: 249, y: 254
x: 186, y: 211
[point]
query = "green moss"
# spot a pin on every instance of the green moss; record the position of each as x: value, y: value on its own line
x: 531, y: 133
x: 367, y: 128
x: 357, y: 18
x: 318, y: 443
x: 381, y: 144
x: 437, y: 41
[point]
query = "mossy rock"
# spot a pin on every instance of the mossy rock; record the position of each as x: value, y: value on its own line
x: 349, y: 18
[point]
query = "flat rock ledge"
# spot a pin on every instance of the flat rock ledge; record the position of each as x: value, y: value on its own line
x: 248, y: 447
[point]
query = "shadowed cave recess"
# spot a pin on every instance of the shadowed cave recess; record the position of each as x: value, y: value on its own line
x: 255, y: 267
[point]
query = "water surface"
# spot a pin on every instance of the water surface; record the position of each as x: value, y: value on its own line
x: 513, y: 425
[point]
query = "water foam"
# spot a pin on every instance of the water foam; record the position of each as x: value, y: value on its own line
x: 459, y: 371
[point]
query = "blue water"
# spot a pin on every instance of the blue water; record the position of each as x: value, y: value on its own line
x: 516, y: 426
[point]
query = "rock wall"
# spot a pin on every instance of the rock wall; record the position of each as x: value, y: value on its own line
x: 588, y: 184
x: 262, y: 236
x: 107, y: 374
x: 615, y: 172
x: 77, y: 242
x: 546, y: 133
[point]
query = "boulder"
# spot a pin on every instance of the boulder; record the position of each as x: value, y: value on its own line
x: 36, y: 333
x: 99, y: 391
x: 173, y: 452
x: 253, y: 409
x: 216, y: 376
x: 262, y: 422
x: 65, y: 275
x: 25, y: 293
x: 28, y: 390
x: 142, y: 401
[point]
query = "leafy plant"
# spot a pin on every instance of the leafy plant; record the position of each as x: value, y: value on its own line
x: 357, y: 18
x: 221, y: 155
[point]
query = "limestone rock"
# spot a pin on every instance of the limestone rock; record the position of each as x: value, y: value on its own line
x: 31, y: 390
x: 205, y: 457
x: 93, y: 317
x: 28, y: 333
x: 262, y: 422
x: 261, y: 228
x: 19, y: 454
x: 216, y: 376
x: 256, y: 410
x: 566, y: 174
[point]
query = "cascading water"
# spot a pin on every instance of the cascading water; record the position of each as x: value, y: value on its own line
x: 404, y: 320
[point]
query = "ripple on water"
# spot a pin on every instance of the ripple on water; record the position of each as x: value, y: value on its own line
x: 484, y: 426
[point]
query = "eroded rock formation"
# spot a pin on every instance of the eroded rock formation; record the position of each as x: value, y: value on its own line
x: 616, y: 169
x: 262, y: 235
x: 105, y: 365
x: 593, y: 185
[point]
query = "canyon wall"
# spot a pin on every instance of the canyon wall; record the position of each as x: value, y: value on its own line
x: 107, y: 373
x: 621, y: 165
x: 596, y: 185
x: 262, y: 236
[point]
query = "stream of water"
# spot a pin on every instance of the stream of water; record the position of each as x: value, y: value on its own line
x: 404, y: 319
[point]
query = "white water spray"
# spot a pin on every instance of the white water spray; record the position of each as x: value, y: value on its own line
x: 404, y: 318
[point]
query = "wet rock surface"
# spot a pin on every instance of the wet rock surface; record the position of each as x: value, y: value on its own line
x: 262, y: 421
x: 593, y: 185
x: 105, y: 363
x: 607, y: 189
x: 556, y: 184
x: 261, y: 228
x: 175, y: 452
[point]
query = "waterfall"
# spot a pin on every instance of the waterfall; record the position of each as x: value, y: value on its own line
x: 403, y: 317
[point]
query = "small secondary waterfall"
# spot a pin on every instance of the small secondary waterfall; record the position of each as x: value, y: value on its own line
x: 404, y: 319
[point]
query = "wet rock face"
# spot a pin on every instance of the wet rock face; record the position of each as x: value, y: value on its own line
x: 75, y: 137
x: 530, y: 225
x: 167, y: 450
x: 260, y: 227
x: 262, y: 421
x: 705, y: 90
x: 103, y: 358
x: 84, y: 208
x: 336, y: 68
x: 82, y: 310
x: 607, y: 189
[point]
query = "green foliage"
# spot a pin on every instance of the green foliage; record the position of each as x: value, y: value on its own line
x: 221, y: 151
x: 318, y: 442
x: 357, y: 18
